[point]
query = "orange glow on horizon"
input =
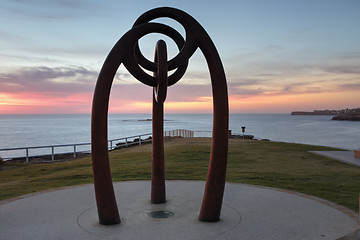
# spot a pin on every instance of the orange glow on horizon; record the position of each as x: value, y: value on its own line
x: 12, y: 99
x: 254, y: 104
x: 52, y: 103
x: 170, y: 107
x: 43, y: 103
x: 294, y: 102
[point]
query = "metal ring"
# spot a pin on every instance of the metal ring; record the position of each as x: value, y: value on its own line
x: 188, y: 48
x: 161, y: 59
x: 131, y: 61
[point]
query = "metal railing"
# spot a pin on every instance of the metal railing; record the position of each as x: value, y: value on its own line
x: 112, y: 144
x: 125, y: 141
x: 179, y: 133
x: 203, y: 134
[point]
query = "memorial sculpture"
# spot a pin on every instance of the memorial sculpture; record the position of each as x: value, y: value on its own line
x: 126, y: 51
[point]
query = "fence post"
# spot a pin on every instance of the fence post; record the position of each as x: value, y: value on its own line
x: 126, y: 142
x: 27, y: 155
x: 74, y: 151
x: 52, y: 153
x: 139, y: 140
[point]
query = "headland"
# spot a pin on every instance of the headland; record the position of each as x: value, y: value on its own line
x: 343, y: 114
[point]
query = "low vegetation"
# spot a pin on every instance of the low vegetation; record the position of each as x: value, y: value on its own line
x: 280, y: 165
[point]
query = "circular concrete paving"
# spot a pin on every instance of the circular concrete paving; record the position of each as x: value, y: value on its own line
x: 248, y: 212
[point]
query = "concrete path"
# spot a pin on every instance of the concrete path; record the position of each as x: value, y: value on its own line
x: 343, y: 156
x: 249, y: 212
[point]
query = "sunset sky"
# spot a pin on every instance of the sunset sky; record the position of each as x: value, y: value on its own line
x: 279, y: 56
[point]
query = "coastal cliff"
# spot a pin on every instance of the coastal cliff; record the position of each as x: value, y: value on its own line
x: 316, y: 112
x: 347, y: 118
x: 340, y: 115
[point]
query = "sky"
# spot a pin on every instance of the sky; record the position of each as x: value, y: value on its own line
x: 279, y: 56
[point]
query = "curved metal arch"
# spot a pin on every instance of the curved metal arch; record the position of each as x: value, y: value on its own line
x: 123, y: 52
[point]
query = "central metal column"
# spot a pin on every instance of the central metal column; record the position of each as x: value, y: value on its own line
x: 158, y: 194
x: 157, y: 169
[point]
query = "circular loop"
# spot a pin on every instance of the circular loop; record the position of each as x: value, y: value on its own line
x: 130, y: 61
x: 143, y: 25
x: 186, y: 48
x: 189, y: 24
x: 127, y: 43
x: 152, y: 66
x: 161, y: 74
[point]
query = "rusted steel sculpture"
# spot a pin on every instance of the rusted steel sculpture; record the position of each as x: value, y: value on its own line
x: 159, y: 94
x: 127, y: 51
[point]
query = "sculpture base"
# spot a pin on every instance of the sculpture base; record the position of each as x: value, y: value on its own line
x: 248, y: 212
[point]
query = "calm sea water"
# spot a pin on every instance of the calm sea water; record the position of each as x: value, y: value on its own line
x: 39, y: 130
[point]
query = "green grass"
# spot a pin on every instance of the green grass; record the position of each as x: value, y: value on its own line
x: 280, y: 165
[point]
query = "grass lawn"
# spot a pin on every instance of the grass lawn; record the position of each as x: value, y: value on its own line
x: 280, y: 165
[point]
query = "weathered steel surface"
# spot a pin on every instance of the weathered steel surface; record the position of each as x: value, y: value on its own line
x: 126, y: 51
x: 157, y: 169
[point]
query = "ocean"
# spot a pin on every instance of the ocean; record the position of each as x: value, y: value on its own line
x: 40, y: 130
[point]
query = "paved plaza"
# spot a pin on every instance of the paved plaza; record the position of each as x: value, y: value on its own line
x: 248, y: 212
